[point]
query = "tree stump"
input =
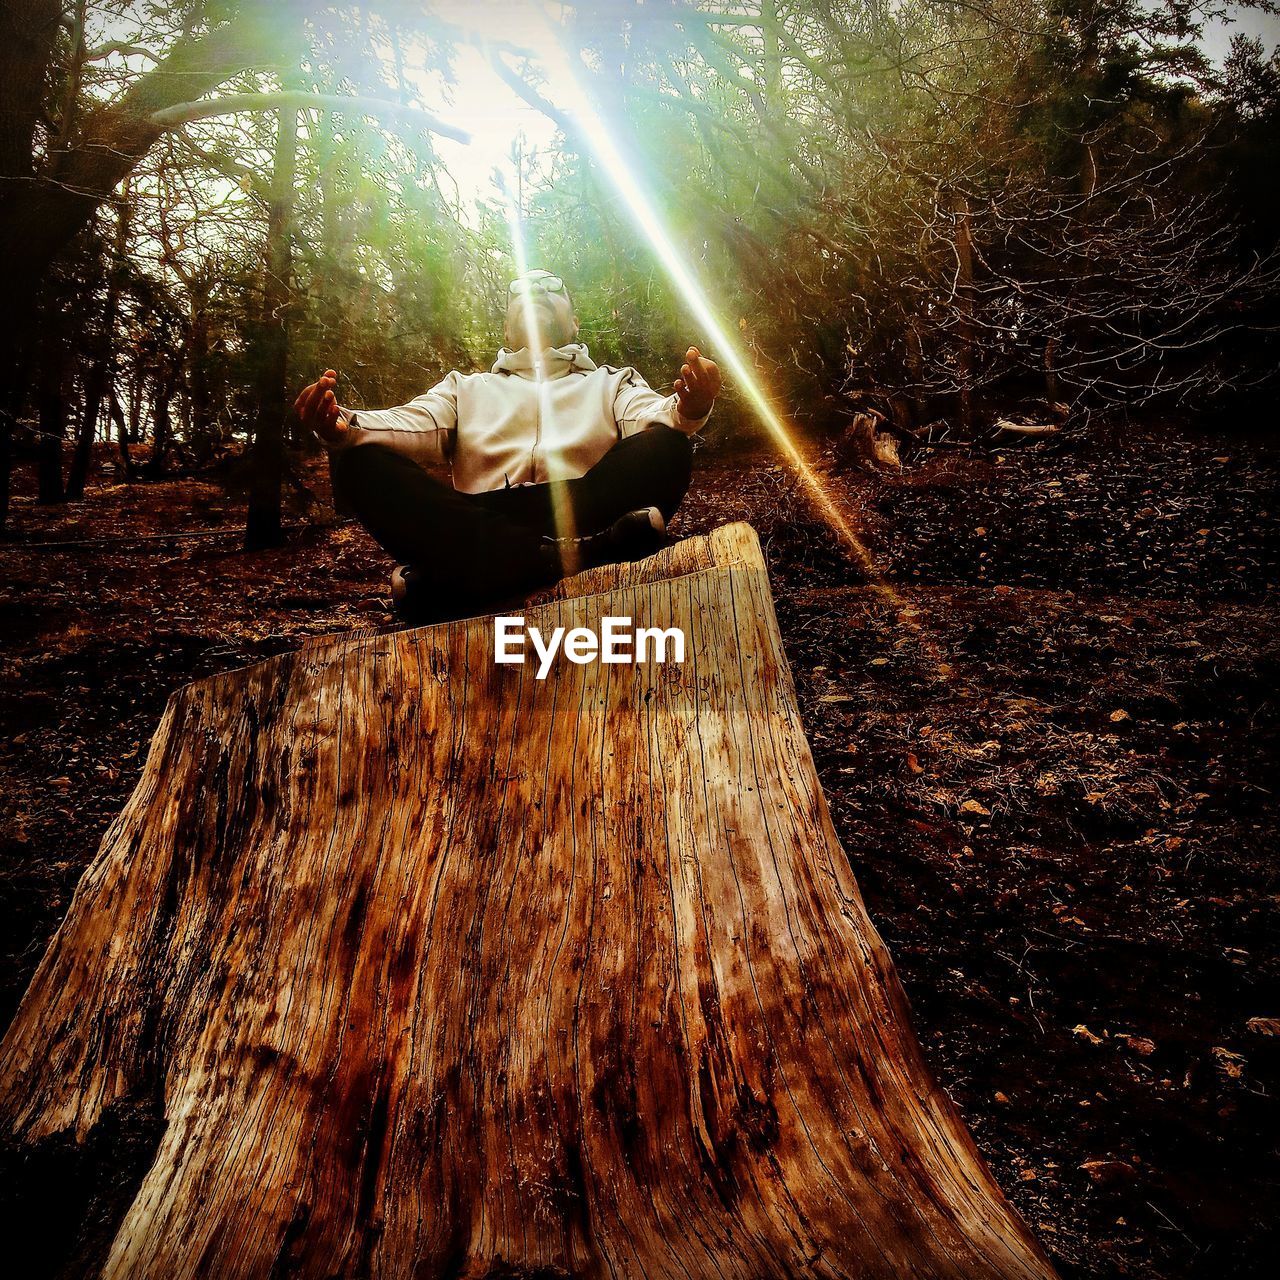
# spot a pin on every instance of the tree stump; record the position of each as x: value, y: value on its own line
x: 445, y: 971
x: 864, y: 445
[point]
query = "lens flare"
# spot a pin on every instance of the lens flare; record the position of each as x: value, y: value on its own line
x: 561, y: 508
x: 589, y: 122
x: 520, y: 252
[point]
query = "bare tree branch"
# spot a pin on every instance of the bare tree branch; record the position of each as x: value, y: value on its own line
x: 181, y: 113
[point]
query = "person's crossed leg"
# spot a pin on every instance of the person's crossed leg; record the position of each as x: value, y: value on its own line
x: 469, y: 552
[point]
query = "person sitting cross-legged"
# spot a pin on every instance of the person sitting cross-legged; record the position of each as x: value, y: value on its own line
x: 558, y: 464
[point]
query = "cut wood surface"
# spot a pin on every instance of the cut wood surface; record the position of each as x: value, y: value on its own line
x: 445, y: 971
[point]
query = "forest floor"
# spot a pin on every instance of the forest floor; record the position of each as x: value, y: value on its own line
x: 1047, y: 734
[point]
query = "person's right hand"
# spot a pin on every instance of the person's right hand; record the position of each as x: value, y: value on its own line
x: 317, y: 406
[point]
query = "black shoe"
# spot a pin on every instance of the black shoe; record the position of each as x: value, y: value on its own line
x: 416, y: 604
x: 409, y: 595
x: 414, y: 601
x: 630, y: 537
x: 636, y: 535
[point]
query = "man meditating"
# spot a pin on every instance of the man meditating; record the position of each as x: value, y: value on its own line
x: 558, y: 464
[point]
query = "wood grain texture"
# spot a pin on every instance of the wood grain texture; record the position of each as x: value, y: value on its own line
x: 444, y: 971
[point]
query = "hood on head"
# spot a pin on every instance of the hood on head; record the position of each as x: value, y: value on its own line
x: 556, y: 361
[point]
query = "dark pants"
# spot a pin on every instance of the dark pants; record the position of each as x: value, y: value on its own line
x: 473, y: 549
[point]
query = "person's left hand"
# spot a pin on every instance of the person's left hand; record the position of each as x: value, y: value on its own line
x: 698, y: 384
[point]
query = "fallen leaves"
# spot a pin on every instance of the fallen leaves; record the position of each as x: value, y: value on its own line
x: 1109, y: 1172
x: 1140, y: 1045
x: 1160, y: 629
x: 1230, y: 1064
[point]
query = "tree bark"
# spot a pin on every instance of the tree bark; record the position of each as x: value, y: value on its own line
x: 102, y: 371
x: 166, y: 387
x: 199, y: 354
x: 51, y: 404
x: 95, y: 388
x: 444, y: 970
x: 28, y: 32
x: 13, y: 394
x: 128, y: 469
x: 137, y: 396
x: 965, y: 305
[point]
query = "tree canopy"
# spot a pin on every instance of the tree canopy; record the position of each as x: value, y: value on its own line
x: 929, y: 208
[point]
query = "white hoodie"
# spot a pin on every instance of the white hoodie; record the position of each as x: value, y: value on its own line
x: 511, y: 427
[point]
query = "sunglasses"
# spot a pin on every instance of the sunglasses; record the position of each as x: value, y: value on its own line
x: 543, y: 284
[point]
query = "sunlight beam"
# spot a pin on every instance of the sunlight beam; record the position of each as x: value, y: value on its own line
x: 561, y: 509
x: 588, y: 122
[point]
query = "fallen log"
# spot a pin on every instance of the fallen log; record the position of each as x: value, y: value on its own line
x: 1002, y: 426
x: 443, y: 970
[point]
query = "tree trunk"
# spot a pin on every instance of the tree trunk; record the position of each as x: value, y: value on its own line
x: 965, y: 302
x: 13, y: 394
x: 122, y: 436
x: 201, y: 433
x: 82, y: 459
x: 1050, y: 371
x: 333, y: 286
x: 51, y: 413
x: 916, y: 365
x: 6, y: 467
x: 137, y: 393
x: 445, y: 970
x: 266, y: 473
x: 102, y: 373
x: 28, y: 32
x: 162, y: 424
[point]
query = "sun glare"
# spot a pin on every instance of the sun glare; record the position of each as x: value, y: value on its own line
x: 561, y: 510
x: 489, y: 110
x: 566, y: 84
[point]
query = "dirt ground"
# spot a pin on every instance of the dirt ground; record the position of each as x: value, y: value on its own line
x: 1046, y: 728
